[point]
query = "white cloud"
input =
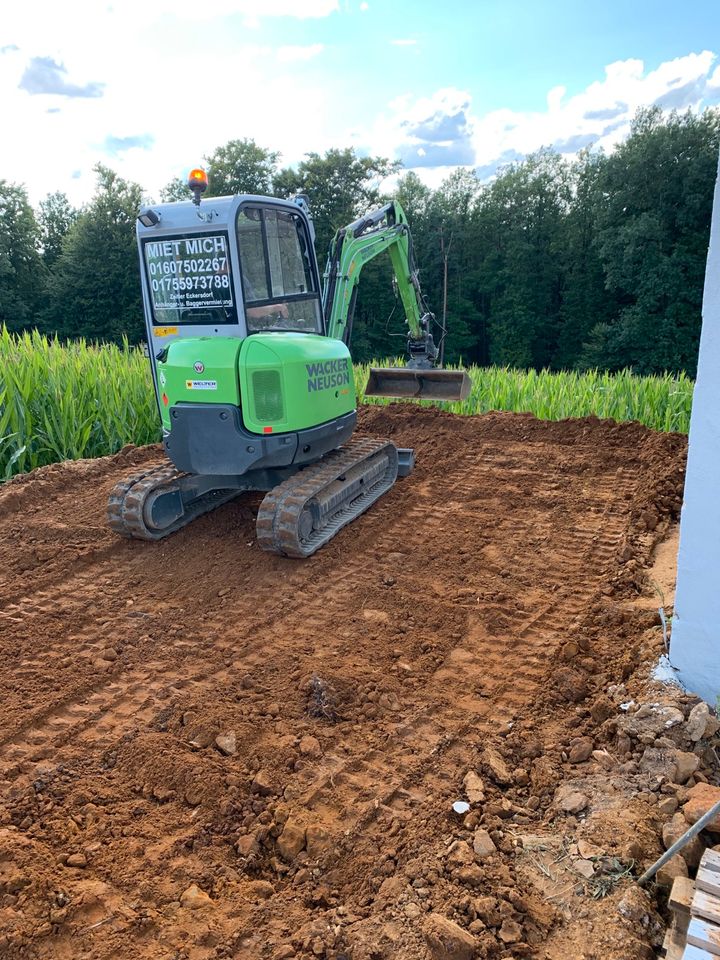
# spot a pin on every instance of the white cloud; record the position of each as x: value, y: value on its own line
x: 152, y: 101
x: 295, y: 54
x: 403, y: 43
x: 441, y: 131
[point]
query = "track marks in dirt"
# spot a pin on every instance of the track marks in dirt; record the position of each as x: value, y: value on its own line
x: 433, y: 619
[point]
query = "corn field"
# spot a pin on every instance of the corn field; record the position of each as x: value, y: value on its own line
x: 66, y: 401
x: 660, y: 402
x: 61, y: 401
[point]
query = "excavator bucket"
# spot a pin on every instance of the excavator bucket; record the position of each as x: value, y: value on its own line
x: 417, y: 383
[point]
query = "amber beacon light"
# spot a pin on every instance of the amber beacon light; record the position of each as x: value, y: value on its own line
x: 198, y: 183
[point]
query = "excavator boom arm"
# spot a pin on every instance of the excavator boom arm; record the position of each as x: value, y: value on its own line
x: 353, y: 246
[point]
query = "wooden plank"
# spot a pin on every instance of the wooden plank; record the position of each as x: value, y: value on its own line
x: 711, y: 860
x: 681, y: 895
x: 708, y: 881
x: 696, y: 953
x: 674, y: 944
x: 704, y: 935
x: 706, y: 906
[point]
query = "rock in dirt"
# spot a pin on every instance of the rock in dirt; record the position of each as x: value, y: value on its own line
x: 292, y: 840
x: 659, y: 762
x: 460, y: 854
x: 76, y: 860
x: 471, y: 875
x: 588, y: 850
x: 636, y: 906
x: 583, y: 867
x: 310, y: 747
x: 570, y: 684
x: 701, y: 797
x: 496, y: 766
x: 580, y: 749
x: 446, y: 940
x: 606, y: 760
x: 671, y: 833
x: 668, y: 872
x: 483, y: 845
x: 701, y: 724
x: 510, y: 931
x: 668, y: 806
x: 318, y: 840
x: 650, y: 720
x: 227, y: 743
x: 259, y: 890
x: 570, y: 800
x: 193, y: 795
x: 686, y: 764
x: 601, y: 710
x: 194, y: 898
x: 201, y: 737
x: 474, y: 787
x: 247, y: 845
x: 262, y: 784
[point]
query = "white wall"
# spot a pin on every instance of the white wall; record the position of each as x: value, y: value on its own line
x: 695, y: 645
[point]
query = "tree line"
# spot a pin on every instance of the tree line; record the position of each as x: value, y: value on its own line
x: 594, y: 262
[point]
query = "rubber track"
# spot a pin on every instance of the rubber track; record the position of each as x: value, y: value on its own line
x: 127, y: 501
x: 279, y: 514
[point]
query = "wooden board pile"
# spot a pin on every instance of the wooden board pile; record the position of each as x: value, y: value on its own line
x: 695, y: 930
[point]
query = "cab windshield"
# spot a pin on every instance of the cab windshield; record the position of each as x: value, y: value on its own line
x: 276, y: 264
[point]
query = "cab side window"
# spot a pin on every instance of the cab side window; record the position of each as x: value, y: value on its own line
x: 276, y: 263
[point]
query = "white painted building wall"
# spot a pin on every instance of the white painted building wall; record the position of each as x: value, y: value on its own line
x: 695, y: 645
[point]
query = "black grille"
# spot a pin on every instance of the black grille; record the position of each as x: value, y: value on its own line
x: 267, y: 396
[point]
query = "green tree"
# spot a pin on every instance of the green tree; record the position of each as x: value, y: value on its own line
x: 520, y: 225
x: 340, y: 186
x: 22, y: 272
x: 241, y: 166
x: 94, y: 287
x: 586, y: 303
x: 176, y: 189
x: 55, y: 218
x: 652, y: 236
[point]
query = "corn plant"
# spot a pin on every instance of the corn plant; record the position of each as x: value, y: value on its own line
x: 660, y: 402
x: 63, y: 401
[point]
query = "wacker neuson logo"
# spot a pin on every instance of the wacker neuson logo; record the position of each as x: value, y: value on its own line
x: 324, y: 376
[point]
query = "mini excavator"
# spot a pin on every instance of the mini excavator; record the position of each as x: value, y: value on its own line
x: 252, y: 371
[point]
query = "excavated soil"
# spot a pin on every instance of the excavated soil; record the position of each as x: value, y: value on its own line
x: 471, y: 621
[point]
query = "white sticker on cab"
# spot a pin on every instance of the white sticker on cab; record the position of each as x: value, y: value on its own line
x: 201, y: 384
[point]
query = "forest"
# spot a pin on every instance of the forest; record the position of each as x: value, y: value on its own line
x: 593, y: 262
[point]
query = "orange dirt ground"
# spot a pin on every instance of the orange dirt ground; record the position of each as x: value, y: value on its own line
x: 469, y: 622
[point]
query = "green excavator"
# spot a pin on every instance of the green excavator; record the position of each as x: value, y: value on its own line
x: 252, y: 371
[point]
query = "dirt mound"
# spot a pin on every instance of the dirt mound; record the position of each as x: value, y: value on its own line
x: 206, y: 751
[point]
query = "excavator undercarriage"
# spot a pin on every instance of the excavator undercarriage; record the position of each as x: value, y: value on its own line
x: 303, y: 509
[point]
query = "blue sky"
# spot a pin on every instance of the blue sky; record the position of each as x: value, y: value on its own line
x: 149, y: 86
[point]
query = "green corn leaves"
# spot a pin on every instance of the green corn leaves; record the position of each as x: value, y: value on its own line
x: 77, y: 399
x: 660, y: 402
x: 66, y: 401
